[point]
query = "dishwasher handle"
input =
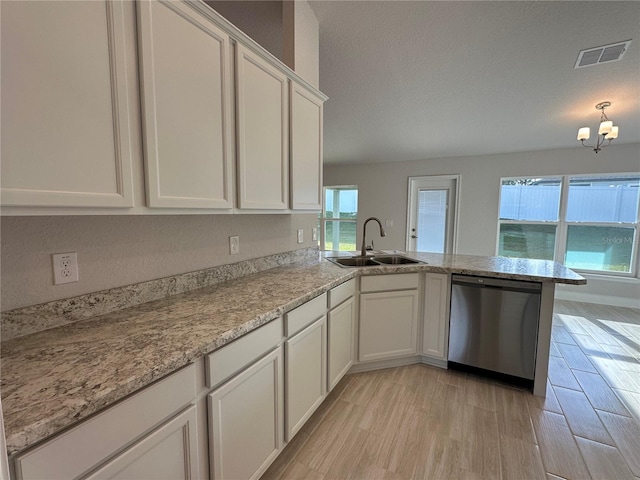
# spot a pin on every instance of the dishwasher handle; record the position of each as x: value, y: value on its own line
x: 496, y: 283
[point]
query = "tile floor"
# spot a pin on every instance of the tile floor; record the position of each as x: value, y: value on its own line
x: 422, y: 422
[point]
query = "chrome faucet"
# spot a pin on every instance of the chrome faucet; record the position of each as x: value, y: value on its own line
x: 364, y: 234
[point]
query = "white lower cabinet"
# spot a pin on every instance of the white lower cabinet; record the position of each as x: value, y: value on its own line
x: 115, y: 443
x: 305, y: 385
x: 388, y: 316
x: 341, y: 341
x: 245, y: 431
x: 436, y: 316
x: 167, y: 453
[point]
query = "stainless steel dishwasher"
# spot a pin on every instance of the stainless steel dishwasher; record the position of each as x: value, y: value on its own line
x: 494, y: 326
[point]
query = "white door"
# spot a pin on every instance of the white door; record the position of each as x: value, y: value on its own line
x: 431, y: 219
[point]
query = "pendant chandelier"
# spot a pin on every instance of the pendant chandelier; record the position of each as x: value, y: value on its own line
x: 607, y: 131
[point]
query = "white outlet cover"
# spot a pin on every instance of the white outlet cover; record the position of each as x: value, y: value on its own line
x: 314, y: 234
x: 300, y: 235
x: 65, y: 268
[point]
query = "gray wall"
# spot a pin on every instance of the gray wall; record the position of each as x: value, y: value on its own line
x: 382, y: 191
x: 121, y: 250
x: 261, y: 20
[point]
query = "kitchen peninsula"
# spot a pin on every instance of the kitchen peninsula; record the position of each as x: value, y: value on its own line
x: 54, y: 378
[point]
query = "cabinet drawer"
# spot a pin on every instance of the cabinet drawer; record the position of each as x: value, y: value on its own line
x: 305, y: 314
x: 402, y: 281
x: 75, y: 451
x: 231, y: 358
x: 340, y: 293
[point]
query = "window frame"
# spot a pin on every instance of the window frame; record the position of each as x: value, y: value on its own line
x: 562, y: 224
x: 322, y: 219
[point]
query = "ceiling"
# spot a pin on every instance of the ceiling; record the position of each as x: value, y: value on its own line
x: 430, y: 79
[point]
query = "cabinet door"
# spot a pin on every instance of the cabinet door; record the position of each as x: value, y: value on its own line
x: 168, y: 453
x: 341, y: 346
x: 388, y: 325
x: 185, y: 70
x: 65, y: 113
x: 263, y: 132
x: 245, y: 423
x: 305, y: 375
x: 436, y: 315
x: 306, y: 149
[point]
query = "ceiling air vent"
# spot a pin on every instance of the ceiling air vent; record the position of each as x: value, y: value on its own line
x: 604, y: 54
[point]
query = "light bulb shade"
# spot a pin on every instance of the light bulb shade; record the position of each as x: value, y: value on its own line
x: 605, y: 127
x: 612, y: 134
x: 584, y: 133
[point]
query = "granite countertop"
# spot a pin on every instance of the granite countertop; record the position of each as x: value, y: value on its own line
x: 54, y: 378
x: 498, y: 267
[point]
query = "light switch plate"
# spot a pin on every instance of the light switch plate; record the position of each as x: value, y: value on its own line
x: 300, y: 235
x: 314, y: 234
x: 234, y: 245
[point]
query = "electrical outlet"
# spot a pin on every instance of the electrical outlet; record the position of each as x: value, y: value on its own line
x: 234, y: 245
x: 300, y: 235
x: 388, y: 223
x: 65, y: 268
x: 314, y: 234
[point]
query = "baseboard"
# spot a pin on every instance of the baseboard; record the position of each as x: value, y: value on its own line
x: 434, y: 362
x: 397, y: 362
x: 587, y: 297
x: 380, y: 364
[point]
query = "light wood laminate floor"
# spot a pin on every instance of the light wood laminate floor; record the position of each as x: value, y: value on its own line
x: 423, y: 422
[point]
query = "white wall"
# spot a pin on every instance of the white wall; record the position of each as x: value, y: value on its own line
x: 382, y: 192
x: 115, y: 251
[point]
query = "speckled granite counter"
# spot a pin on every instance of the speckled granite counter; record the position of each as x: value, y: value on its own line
x: 54, y: 378
x: 498, y: 267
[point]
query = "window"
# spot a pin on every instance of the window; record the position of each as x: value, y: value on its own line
x: 338, y: 218
x: 588, y: 223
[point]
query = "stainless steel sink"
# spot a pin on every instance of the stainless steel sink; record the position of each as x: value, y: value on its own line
x: 354, y: 261
x: 395, y: 260
x: 374, y: 261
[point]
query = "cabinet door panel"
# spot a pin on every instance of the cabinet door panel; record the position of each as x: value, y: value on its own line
x: 306, y: 149
x: 388, y: 324
x: 341, y: 331
x: 186, y: 74
x: 263, y: 133
x: 65, y: 116
x: 168, y: 453
x: 305, y: 375
x: 436, y: 315
x: 245, y: 428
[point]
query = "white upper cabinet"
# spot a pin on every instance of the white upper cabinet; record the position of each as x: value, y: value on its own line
x: 185, y: 70
x: 306, y: 149
x: 262, y: 114
x: 65, y: 118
